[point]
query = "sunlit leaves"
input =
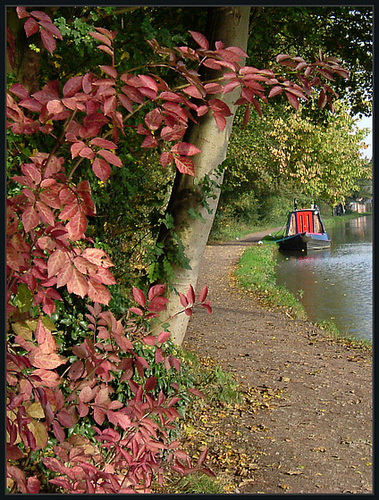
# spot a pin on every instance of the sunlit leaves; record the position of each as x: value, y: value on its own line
x: 185, y: 165
x: 292, y: 153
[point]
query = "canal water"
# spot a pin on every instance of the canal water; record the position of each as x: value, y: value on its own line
x: 335, y: 284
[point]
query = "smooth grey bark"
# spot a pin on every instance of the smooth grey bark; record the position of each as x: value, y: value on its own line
x: 231, y: 26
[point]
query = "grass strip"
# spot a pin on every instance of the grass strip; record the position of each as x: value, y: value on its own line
x: 256, y: 273
x: 236, y: 231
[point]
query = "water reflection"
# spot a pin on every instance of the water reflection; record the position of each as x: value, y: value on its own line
x: 335, y: 284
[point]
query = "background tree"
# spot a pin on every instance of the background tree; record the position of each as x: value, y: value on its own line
x: 345, y: 32
x: 283, y: 155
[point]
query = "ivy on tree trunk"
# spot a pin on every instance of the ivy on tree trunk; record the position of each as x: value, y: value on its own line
x: 188, y: 196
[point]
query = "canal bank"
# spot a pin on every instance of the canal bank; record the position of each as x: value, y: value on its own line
x: 313, y: 431
x: 335, y: 285
x: 332, y: 288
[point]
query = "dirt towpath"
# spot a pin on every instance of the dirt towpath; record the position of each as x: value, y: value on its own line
x: 314, y: 434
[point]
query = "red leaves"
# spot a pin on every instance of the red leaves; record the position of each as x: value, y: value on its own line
x: 109, y: 70
x: 98, y: 257
x: 220, y: 112
x: 307, y: 72
x: 72, y: 86
x: 103, y: 143
x: 76, y: 148
x: 275, y: 91
x: 77, y: 457
x: 31, y: 27
x: 45, y: 214
x: 194, y: 91
x: 196, y: 392
x: 110, y: 157
x: 101, y: 169
x: 101, y: 166
x: 98, y: 292
x: 84, y: 275
x: 39, y: 21
x: 77, y: 283
x: 166, y: 158
x: 188, y: 301
x: 185, y: 148
x: 19, y: 90
x: 56, y: 261
x: 200, y: 39
x: 77, y: 225
x: 294, y: 101
x: 154, y: 119
x: 158, y: 304
x: 156, y: 290
x: 139, y: 296
x: 46, y: 361
x: 163, y: 337
x: 185, y: 165
x: 107, y: 38
x: 44, y: 355
x: 203, y: 294
x: 30, y: 218
x: 322, y: 100
x: 154, y: 305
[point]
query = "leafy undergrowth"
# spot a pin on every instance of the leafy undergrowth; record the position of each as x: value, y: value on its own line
x: 214, y: 423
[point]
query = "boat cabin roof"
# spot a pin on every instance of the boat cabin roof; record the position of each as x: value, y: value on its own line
x: 305, y: 220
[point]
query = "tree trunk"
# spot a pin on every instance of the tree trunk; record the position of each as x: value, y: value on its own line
x: 27, y: 66
x: 229, y: 25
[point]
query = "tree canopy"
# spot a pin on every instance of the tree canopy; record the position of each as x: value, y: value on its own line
x: 285, y: 154
x: 345, y: 32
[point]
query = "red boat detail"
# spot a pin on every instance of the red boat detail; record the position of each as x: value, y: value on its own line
x: 305, y: 231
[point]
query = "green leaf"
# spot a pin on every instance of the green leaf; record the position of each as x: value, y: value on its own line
x: 153, y: 272
x: 194, y: 214
x: 169, y: 221
x: 24, y: 298
x: 49, y: 323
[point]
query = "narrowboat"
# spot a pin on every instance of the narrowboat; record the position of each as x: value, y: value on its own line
x: 305, y: 231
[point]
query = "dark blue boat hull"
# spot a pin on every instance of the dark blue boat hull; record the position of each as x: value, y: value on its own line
x: 304, y: 242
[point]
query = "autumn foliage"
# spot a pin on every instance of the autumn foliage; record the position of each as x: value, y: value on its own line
x: 50, y: 392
